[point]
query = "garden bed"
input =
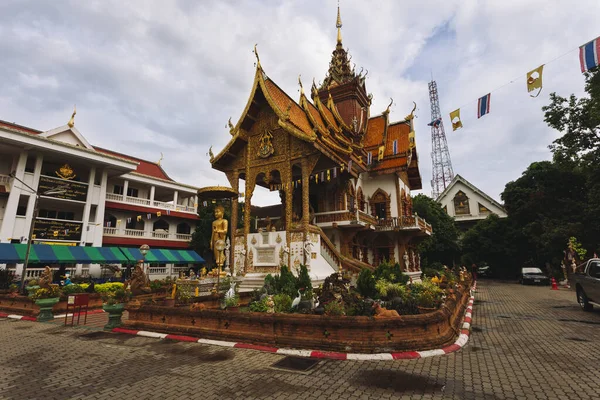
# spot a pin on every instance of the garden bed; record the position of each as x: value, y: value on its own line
x: 330, y: 333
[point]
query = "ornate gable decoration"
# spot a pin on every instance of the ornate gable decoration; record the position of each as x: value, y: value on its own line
x: 65, y: 172
x: 266, y: 149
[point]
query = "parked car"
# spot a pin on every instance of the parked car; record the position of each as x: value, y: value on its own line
x: 484, y: 271
x: 533, y: 276
x: 587, y: 284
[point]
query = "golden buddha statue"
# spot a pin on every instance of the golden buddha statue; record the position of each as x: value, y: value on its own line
x: 217, y: 240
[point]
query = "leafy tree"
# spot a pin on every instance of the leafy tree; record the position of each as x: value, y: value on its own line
x: 443, y: 245
x: 366, y: 283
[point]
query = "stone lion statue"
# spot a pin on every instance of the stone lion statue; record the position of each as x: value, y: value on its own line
x: 46, y: 278
x: 138, y: 283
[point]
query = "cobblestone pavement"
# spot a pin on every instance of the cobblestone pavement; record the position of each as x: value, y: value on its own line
x: 527, y: 343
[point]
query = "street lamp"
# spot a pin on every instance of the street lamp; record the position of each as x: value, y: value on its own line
x: 58, y: 190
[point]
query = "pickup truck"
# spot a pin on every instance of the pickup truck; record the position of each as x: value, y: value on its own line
x: 587, y: 283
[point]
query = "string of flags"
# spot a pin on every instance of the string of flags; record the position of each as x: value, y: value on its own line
x: 589, y: 55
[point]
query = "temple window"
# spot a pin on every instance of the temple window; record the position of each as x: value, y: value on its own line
x: 461, y: 204
x: 183, y: 228
x: 483, y: 209
x: 380, y: 205
x: 161, y: 226
x: 395, y: 146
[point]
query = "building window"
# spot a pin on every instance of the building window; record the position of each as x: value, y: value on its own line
x: 131, y: 192
x: 369, y: 158
x: 395, y: 146
x: 461, y: 204
x: 98, y: 178
x: 118, y: 189
x: 183, y: 228
x: 22, y: 207
x: 483, y: 209
x: 66, y: 215
x: 30, y: 164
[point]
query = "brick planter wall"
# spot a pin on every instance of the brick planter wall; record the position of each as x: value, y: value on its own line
x: 346, y: 334
x: 23, y: 305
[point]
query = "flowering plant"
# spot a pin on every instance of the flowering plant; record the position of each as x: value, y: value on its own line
x: 117, y: 296
x: 46, y: 293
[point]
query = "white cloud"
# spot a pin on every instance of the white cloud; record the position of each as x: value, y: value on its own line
x: 165, y: 76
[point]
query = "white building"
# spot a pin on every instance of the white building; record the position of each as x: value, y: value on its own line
x: 467, y: 204
x: 104, y: 198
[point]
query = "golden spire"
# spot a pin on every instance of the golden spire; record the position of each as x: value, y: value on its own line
x: 257, y: 58
x: 71, y: 122
x: 160, y: 159
x: 338, y: 25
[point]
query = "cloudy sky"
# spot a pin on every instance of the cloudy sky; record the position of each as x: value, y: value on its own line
x: 164, y: 76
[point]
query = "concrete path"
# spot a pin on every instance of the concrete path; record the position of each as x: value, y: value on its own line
x: 527, y: 343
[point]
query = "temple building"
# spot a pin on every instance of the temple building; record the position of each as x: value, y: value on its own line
x: 467, y: 204
x: 89, y: 199
x: 344, y: 177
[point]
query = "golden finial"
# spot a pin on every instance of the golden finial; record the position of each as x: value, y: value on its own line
x: 71, y: 122
x: 387, y: 110
x: 210, y: 153
x: 410, y: 116
x: 301, y: 87
x: 231, y: 127
x: 256, y: 54
x: 160, y: 159
x: 338, y: 25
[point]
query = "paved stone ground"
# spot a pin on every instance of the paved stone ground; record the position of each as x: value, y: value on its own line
x: 527, y: 343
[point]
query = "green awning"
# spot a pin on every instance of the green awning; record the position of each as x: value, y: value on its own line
x: 163, y: 256
x: 49, y: 254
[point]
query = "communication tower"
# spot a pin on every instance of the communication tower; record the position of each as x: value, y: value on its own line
x: 442, y: 173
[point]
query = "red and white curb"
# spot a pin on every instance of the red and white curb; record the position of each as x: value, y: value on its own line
x: 29, y: 318
x: 407, y: 355
x: 462, y: 340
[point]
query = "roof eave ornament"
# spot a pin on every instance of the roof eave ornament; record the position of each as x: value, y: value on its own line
x: 387, y: 110
x: 301, y: 87
x: 71, y: 122
x: 255, y: 51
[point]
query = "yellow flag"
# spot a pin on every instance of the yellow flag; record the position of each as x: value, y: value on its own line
x: 328, y: 176
x: 158, y: 213
x: 455, y: 119
x: 118, y: 221
x: 381, y: 153
x: 139, y: 218
x: 534, y: 80
x: 55, y: 233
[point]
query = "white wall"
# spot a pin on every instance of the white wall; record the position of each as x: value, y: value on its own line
x: 474, y: 200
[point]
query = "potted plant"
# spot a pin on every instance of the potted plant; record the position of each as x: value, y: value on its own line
x: 45, y: 299
x: 114, y: 303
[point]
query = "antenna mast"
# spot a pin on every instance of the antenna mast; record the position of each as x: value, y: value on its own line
x: 442, y: 173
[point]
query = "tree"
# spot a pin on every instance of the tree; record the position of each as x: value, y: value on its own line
x: 579, y: 121
x: 547, y: 204
x: 443, y: 245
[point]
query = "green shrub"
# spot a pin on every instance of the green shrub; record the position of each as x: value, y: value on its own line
x: 389, y: 290
x: 366, y: 283
x: 43, y: 293
x: 391, y: 273
x: 108, y: 287
x: 283, y: 303
x: 426, y: 294
x: 117, y: 296
x: 304, y: 283
x: 72, y: 289
x: 259, y: 305
x: 334, y: 308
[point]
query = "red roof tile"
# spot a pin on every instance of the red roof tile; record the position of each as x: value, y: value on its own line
x: 297, y: 116
x: 144, y: 167
x: 374, y: 134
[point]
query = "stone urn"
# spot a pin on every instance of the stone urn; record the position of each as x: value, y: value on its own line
x: 115, y: 312
x: 45, y: 306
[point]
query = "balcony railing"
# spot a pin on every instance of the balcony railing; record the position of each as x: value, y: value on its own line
x: 334, y: 216
x: 147, y: 203
x: 404, y: 222
x: 143, y: 234
x: 4, y: 179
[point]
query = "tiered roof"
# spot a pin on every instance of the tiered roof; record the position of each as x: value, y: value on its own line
x: 320, y: 122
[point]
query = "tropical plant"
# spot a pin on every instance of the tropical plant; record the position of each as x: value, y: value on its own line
x: 391, y: 273
x: 389, y: 290
x: 304, y: 283
x: 426, y: 294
